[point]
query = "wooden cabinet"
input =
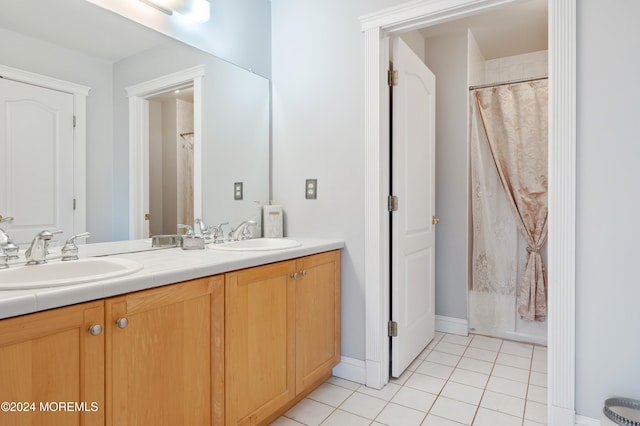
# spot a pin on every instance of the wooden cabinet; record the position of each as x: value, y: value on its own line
x: 49, y: 359
x: 282, y: 326
x: 160, y: 360
x: 317, y: 318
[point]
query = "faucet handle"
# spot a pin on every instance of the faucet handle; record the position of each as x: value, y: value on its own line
x: 187, y: 227
x: 6, y: 219
x: 218, y: 233
x: 70, y: 249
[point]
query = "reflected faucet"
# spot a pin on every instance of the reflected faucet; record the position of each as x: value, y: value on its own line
x: 37, y: 253
x: 242, y: 231
x: 205, y: 230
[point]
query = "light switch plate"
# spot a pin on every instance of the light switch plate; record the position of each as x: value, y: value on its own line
x: 311, y: 189
x: 237, y: 191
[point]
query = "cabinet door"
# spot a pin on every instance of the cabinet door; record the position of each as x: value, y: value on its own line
x: 52, y: 366
x: 259, y: 330
x: 317, y: 318
x: 159, y: 357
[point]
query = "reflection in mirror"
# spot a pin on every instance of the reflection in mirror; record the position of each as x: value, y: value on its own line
x: 81, y: 43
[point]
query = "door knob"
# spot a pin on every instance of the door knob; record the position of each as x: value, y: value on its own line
x: 122, y: 322
x: 435, y: 220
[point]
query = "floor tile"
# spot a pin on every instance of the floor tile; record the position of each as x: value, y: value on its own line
x: 402, y: 379
x: 488, y: 343
x: 415, y: 364
x: 385, y: 393
x: 507, y: 387
x: 433, y: 369
x: 536, y: 412
x: 517, y: 348
x: 538, y: 379
x: 414, y: 398
x: 481, y: 354
x: 424, y: 353
x: 283, y: 421
x: 342, y: 418
x: 537, y: 394
x: 476, y: 365
x: 425, y: 383
x: 398, y: 415
x: 470, y: 378
x: 443, y: 358
x: 343, y: 383
x: 457, y: 339
x: 462, y: 393
x: 330, y: 394
x: 503, y: 403
x: 512, y: 373
x: 450, y: 348
x: 486, y: 417
x: 531, y: 423
x: 513, y: 360
x: 432, y: 420
x: 309, y: 412
x: 363, y: 405
x: 460, y: 412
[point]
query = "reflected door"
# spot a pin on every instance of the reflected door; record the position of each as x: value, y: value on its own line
x: 36, y: 160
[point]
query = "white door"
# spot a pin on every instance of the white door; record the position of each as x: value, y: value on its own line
x: 36, y: 160
x: 412, y: 230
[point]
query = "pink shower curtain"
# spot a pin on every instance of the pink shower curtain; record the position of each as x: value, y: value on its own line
x: 514, y: 118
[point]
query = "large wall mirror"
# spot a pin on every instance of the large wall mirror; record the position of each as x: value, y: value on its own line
x: 228, y: 121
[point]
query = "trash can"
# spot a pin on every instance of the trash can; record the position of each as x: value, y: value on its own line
x: 621, y: 411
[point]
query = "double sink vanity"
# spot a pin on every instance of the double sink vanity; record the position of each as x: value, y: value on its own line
x: 127, y: 334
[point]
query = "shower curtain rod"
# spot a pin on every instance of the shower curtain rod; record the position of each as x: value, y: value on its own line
x: 186, y: 134
x: 483, y: 86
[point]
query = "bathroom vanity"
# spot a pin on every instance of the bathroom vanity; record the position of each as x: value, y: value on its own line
x: 197, y: 338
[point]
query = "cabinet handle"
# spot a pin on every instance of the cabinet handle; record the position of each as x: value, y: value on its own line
x: 95, y: 329
x: 303, y: 272
x: 294, y: 275
x: 122, y: 322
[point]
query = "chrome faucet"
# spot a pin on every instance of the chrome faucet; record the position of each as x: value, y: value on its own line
x: 242, y: 231
x: 37, y: 253
x: 70, y: 249
x: 7, y: 245
x: 218, y: 233
x: 204, y: 229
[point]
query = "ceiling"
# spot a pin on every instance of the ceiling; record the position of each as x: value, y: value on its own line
x: 506, y: 31
x: 104, y: 34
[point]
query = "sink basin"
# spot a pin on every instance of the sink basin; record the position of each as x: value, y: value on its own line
x: 257, y: 244
x: 58, y: 273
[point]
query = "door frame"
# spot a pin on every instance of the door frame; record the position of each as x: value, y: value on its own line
x: 139, y: 143
x: 378, y: 27
x: 80, y: 94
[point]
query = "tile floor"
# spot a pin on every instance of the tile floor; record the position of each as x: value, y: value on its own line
x: 456, y: 380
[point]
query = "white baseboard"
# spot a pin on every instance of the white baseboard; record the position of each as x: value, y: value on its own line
x: 351, y: 369
x: 452, y: 325
x: 586, y: 421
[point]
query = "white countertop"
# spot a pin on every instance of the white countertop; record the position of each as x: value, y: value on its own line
x: 160, y: 267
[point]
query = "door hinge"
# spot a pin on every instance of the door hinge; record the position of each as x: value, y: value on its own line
x: 74, y: 203
x: 393, y: 329
x: 392, y: 78
x: 74, y: 121
x: 392, y: 203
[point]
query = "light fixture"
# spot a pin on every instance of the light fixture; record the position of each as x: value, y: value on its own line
x: 195, y: 10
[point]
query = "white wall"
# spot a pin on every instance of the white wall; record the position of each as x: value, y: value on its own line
x: 608, y: 225
x: 446, y: 57
x: 318, y: 132
x: 44, y: 58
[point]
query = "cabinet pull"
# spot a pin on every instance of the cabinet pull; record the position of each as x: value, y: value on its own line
x: 122, y: 322
x: 303, y: 272
x: 294, y: 275
x: 95, y: 329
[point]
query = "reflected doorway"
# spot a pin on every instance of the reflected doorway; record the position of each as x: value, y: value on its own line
x: 171, y: 146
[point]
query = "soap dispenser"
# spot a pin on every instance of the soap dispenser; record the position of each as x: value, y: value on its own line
x: 191, y: 241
